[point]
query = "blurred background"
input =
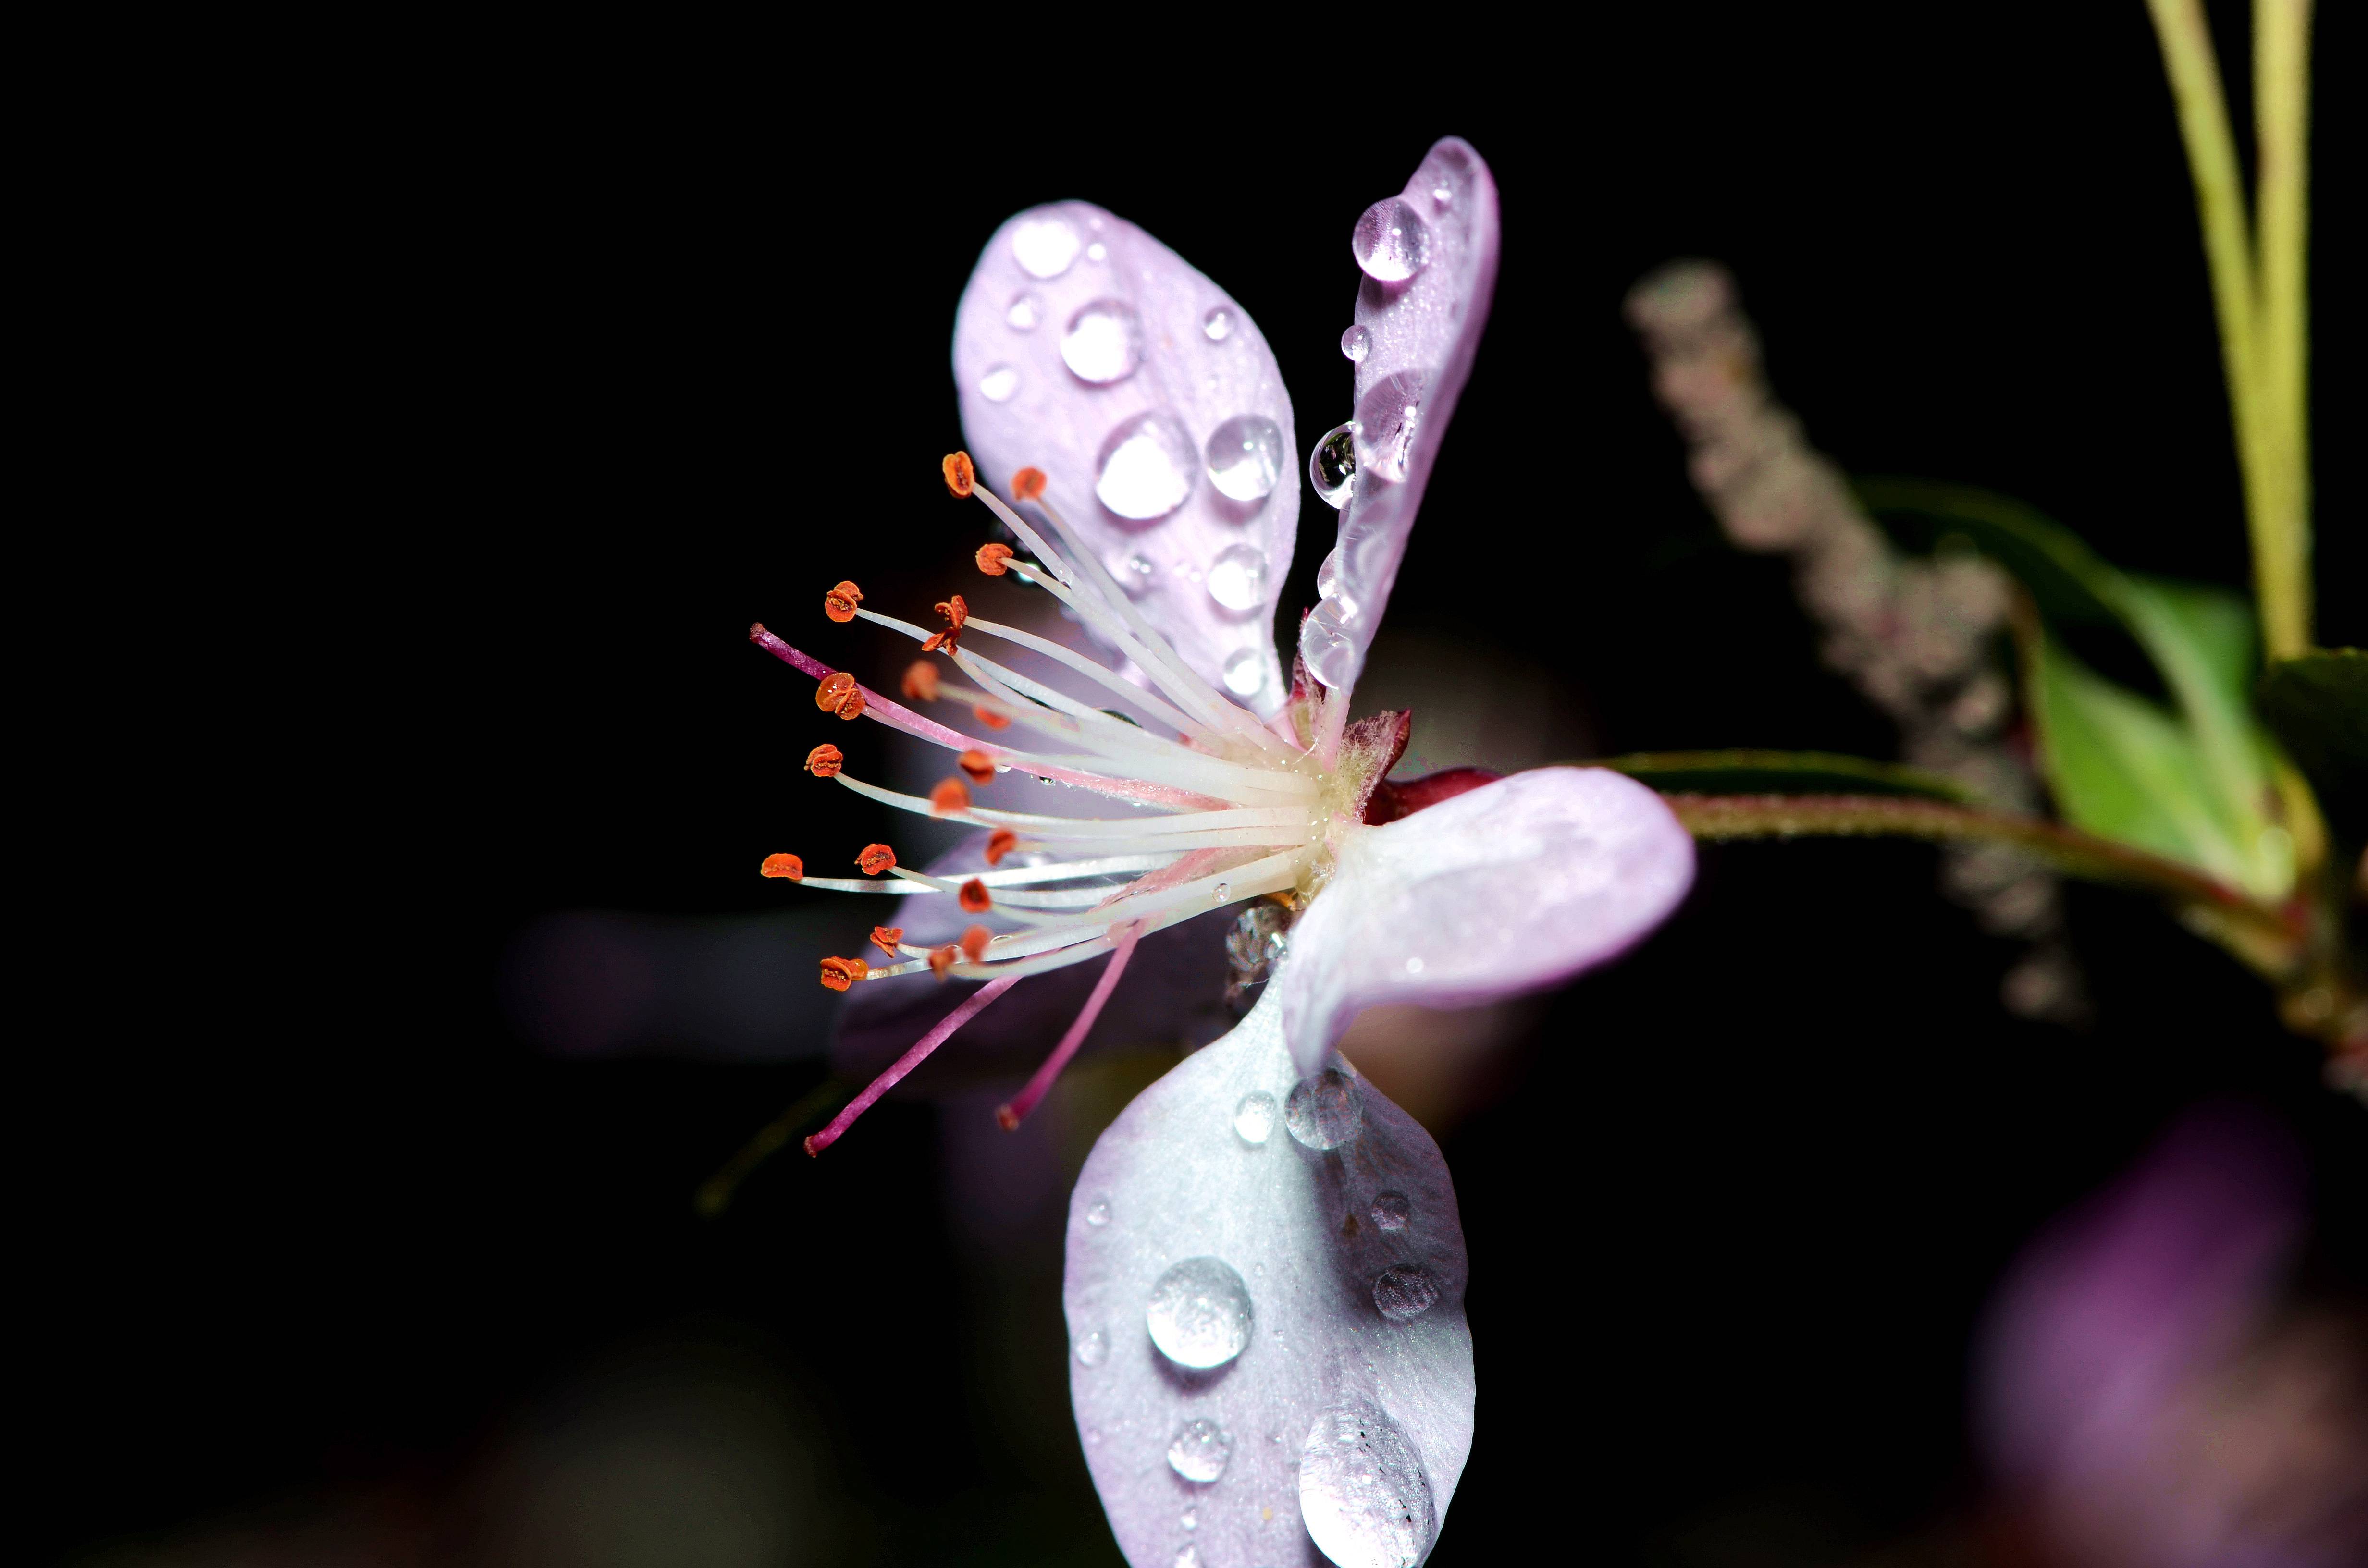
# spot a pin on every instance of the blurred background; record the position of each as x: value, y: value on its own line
x: 368, y: 1233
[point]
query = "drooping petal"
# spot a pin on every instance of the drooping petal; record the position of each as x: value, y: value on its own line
x: 1510, y: 887
x: 1265, y: 1297
x: 1088, y: 349
x: 1420, y: 331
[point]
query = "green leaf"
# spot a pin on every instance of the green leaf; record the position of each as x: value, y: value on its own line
x: 2319, y: 706
x: 1779, y: 772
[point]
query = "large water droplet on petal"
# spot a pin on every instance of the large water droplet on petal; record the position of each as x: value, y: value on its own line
x: 1324, y: 1111
x: 1045, y: 247
x: 1391, y: 1211
x: 1356, y: 343
x: 1328, y: 585
x: 1098, y: 1212
x: 1147, y: 468
x: 1218, y: 324
x: 1026, y: 311
x: 1200, y: 1313
x: 1103, y: 342
x: 1201, y: 1450
x: 1254, y: 1118
x: 999, y: 382
x: 1404, y: 1293
x: 1092, y: 1349
x: 1332, y: 466
x: 1362, y: 1492
x: 1392, y: 243
x: 1328, y: 650
x: 1237, y: 577
x: 1244, y: 457
x: 1244, y: 673
x: 1386, y: 419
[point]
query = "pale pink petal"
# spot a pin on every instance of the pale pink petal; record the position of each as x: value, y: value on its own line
x: 1513, y: 886
x: 1145, y: 393
x: 1420, y: 333
x: 1318, y: 1379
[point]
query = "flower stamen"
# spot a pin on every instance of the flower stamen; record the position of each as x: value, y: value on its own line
x: 839, y: 973
x: 788, y: 865
x: 876, y: 858
x: 839, y: 694
x: 825, y: 761
x: 840, y: 602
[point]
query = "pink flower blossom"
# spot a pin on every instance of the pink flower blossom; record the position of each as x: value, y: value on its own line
x: 1266, y: 1272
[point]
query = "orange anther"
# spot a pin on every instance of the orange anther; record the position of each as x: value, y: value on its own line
x: 1028, y: 483
x: 960, y: 475
x: 942, y: 959
x: 999, y: 845
x: 788, y: 865
x: 957, y: 615
x: 841, y: 973
x: 973, y: 898
x: 978, y: 765
x: 974, y: 942
x: 990, y: 717
x: 826, y: 760
x: 839, y: 694
x: 991, y: 557
x: 951, y: 795
x: 886, y: 938
x: 921, y: 681
x: 875, y: 858
x: 840, y: 602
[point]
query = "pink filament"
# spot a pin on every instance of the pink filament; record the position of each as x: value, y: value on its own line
x: 1015, y: 1111
x: 972, y: 1006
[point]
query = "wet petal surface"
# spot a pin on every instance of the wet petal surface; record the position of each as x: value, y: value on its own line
x: 1145, y: 393
x: 1429, y: 259
x: 1315, y: 1385
x: 1508, y: 888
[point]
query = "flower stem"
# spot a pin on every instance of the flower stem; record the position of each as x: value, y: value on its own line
x: 2261, y: 318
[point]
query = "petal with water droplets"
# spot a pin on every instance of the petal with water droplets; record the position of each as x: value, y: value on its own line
x: 1345, y: 1415
x: 1086, y: 349
x: 1421, y: 332
x: 1508, y: 888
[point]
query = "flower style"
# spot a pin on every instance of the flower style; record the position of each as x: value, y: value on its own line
x: 1268, y: 1331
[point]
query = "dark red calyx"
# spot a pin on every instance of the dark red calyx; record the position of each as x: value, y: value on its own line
x: 1395, y: 797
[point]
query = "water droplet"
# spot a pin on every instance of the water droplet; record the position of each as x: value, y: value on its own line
x: 1189, y: 1558
x: 1361, y: 1490
x: 1201, y: 1450
x: 1147, y: 468
x: 1392, y: 243
x: 1045, y: 247
x: 1413, y: 966
x: 1218, y: 324
x: 1245, y: 672
x: 1200, y: 1313
x: 1333, y: 465
x: 1237, y: 577
x: 1103, y: 342
x: 1356, y: 343
x: 1391, y: 1211
x: 1092, y: 1349
x: 1329, y: 651
x: 1442, y: 196
x: 1098, y: 252
x: 1254, y: 1118
x: 1222, y: 892
x: 1404, y: 1293
x: 1324, y: 1111
x: 1026, y: 311
x: 1245, y: 455
x: 1098, y: 1212
x: 1387, y: 418
x: 1328, y: 585
x: 1191, y: 1519
x: 999, y: 382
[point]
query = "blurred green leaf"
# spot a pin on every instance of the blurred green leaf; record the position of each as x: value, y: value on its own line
x: 2319, y: 706
x: 1779, y: 773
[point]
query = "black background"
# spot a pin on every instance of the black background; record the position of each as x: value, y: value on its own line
x: 529, y: 383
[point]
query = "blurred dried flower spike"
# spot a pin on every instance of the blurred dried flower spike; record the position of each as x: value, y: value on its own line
x: 1919, y: 638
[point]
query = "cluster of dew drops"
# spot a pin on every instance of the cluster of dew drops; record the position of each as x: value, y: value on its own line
x: 1201, y: 1313
x: 1145, y: 470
